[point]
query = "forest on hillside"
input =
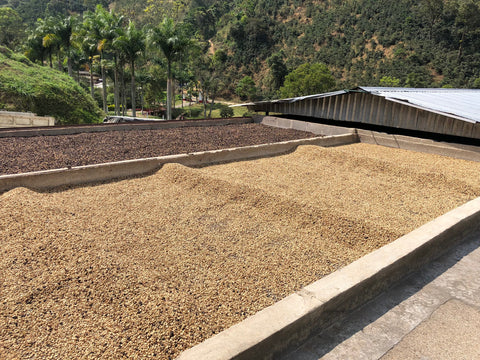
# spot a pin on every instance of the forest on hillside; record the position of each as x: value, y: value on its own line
x: 245, y: 49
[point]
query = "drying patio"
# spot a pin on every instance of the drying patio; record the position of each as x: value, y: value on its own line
x: 148, y: 267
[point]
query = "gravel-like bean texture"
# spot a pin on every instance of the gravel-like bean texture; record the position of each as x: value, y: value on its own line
x: 147, y: 267
x: 24, y: 154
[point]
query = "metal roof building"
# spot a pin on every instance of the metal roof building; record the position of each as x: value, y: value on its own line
x: 453, y: 112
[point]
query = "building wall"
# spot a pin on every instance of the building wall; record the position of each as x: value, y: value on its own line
x: 10, y: 119
x: 375, y: 110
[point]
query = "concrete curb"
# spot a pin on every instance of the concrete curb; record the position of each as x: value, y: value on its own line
x: 459, y: 151
x: 41, y: 180
x: 284, y: 325
x: 316, y: 128
x: 154, y: 125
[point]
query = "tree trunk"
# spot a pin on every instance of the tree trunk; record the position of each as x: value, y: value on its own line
x: 50, y: 58
x: 92, y: 90
x: 104, y: 85
x: 116, y: 88
x: 122, y: 90
x: 134, y: 110
x: 169, y: 91
x: 460, y: 48
x: 70, y: 66
x: 205, y: 104
x: 211, y: 108
x: 59, y: 60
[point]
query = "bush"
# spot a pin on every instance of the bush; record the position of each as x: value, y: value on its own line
x: 225, y: 111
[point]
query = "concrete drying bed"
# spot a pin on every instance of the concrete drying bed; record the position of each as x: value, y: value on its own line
x: 27, y: 153
x: 149, y: 267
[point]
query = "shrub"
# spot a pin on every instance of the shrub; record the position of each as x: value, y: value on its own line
x: 225, y: 111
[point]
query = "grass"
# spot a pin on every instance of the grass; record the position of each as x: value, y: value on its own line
x: 25, y: 86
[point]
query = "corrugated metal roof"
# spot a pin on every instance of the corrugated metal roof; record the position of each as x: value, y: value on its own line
x: 292, y: 100
x: 463, y: 104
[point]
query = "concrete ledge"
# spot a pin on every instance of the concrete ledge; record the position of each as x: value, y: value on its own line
x: 459, y: 151
x: 109, y: 171
x: 154, y: 125
x: 318, y: 129
x: 10, y: 119
x: 286, y: 324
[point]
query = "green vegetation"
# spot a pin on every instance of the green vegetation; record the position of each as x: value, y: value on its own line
x: 25, y: 86
x: 308, y: 79
x: 219, y: 110
x: 246, y: 50
x: 246, y: 89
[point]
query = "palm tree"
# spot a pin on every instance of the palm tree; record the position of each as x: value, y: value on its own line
x: 131, y: 43
x: 101, y: 26
x: 88, y: 47
x: 64, y: 29
x: 44, y: 34
x: 34, y: 49
x: 172, y: 41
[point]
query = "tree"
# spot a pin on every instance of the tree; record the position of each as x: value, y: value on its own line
x: 432, y: 11
x: 34, y: 46
x: 246, y: 88
x: 418, y: 80
x: 278, y: 70
x: 468, y: 21
x: 87, y: 44
x: 308, y: 79
x: 50, y: 42
x: 102, y: 26
x: 172, y: 39
x: 10, y: 27
x: 210, y: 76
x: 132, y: 43
x: 389, y: 81
x: 64, y: 30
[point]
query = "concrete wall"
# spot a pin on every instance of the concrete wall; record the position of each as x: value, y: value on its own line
x: 318, y: 129
x: 10, y: 119
x: 458, y: 151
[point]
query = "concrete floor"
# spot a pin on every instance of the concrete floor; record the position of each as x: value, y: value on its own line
x: 432, y: 314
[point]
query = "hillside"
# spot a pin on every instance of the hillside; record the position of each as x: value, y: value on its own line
x: 410, y: 43
x: 426, y: 43
x: 25, y: 86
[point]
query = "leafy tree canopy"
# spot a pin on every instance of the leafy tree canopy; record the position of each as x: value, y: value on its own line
x: 246, y: 88
x: 10, y: 27
x: 308, y: 79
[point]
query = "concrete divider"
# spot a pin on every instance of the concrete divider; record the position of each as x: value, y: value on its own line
x: 318, y: 129
x: 104, y: 172
x: 455, y: 150
x: 284, y: 325
x: 459, y: 151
